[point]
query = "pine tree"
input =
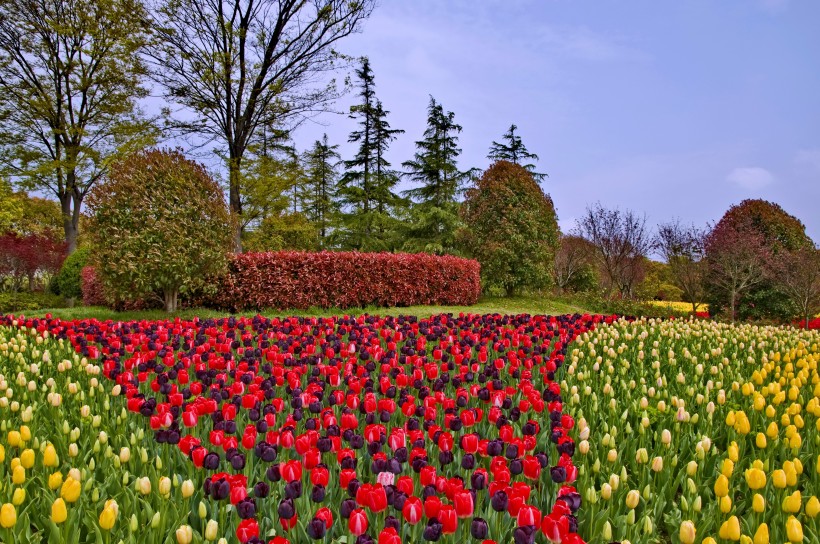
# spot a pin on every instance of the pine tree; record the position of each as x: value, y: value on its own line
x: 434, y: 214
x: 514, y: 151
x: 321, y: 206
x: 366, y: 188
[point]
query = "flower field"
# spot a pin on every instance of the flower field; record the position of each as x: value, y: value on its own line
x: 453, y: 428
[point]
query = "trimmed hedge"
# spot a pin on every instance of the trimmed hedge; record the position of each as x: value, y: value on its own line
x: 301, y: 280
x: 92, y: 288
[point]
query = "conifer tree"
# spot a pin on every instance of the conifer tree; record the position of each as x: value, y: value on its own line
x: 320, y: 204
x: 515, y: 152
x: 434, y: 214
x: 366, y: 188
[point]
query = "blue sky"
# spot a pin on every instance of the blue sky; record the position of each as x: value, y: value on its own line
x: 676, y: 109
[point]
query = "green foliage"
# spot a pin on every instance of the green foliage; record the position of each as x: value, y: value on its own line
x: 585, y: 280
x: 366, y: 188
x: 67, y: 282
x: 320, y: 204
x: 60, y: 138
x: 160, y: 224
x: 511, y: 228
x: 23, y: 302
x: 658, y: 283
x: 286, y: 231
x: 433, y: 218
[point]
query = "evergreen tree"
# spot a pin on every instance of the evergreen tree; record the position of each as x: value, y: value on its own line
x: 320, y: 204
x: 434, y: 214
x: 366, y: 188
x: 515, y: 152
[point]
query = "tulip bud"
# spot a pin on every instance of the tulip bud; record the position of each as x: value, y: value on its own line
x: 606, y: 533
x: 762, y: 534
x: 657, y: 464
x: 184, y: 534
x: 134, y: 524
x: 155, y: 520
x: 687, y: 532
x: 203, y: 510
x: 211, y: 529
x: 632, y: 499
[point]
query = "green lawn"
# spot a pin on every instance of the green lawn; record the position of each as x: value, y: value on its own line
x: 489, y: 305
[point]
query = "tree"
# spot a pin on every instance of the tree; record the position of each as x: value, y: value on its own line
x: 511, y: 228
x: 159, y: 224
x: 572, y: 260
x: 797, y: 274
x: 737, y: 260
x: 320, y: 204
x: 434, y: 214
x: 285, y: 231
x: 683, y: 250
x: 70, y: 78
x: 621, y: 242
x: 514, y: 151
x: 366, y: 188
x: 781, y: 233
x: 27, y: 256
x: 239, y: 65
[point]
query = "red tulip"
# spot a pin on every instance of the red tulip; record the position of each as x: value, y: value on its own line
x: 357, y: 524
x: 427, y: 475
x: 319, y: 476
x: 529, y: 515
x: 555, y: 527
x: 405, y: 485
x: 325, y: 515
x: 247, y: 529
x: 463, y: 502
x: 449, y: 520
x: 532, y: 468
x: 288, y: 524
x: 389, y: 536
x: 412, y: 510
x: 291, y: 471
x: 432, y: 506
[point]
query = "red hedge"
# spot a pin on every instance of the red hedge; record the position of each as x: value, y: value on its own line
x: 92, y: 288
x: 293, y: 279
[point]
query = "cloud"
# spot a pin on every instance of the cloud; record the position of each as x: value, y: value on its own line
x: 582, y: 43
x: 750, y: 178
x: 809, y: 158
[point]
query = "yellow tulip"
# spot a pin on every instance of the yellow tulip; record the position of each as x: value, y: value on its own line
x: 58, y: 511
x: 212, y: 527
x: 2, y: 453
x: 107, y: 518
x: 50, y: 456
x: 813, y: 507
x: 13, y: 439
x: 722, y: 486
x: 19, y: 496
x: 18, y: 475
x: 794, y: 530
x: 25, y: 433
x: 27, y: 458
x: 779, y: 479
x: 791, y: 473
x: 730, y: 529
x: 55, y: 480
x: 733, y: 453
x: 760, y: 441
x: 762, y: 534
x: 687, y: 532
x: 707, y: 540
x: 795, y: 442
x: 184, y: 534
x: 725, y: 504
x: 728, y: 467
x: 792, y: 503
x: 771, y: 430
x: 758, y: 503
x: 8, y: 516
x: 755, y: 478
x: 632, y: 499
x: 70, y: 491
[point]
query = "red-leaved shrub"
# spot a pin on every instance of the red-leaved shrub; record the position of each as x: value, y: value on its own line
x: 292, y: 279
x: 92, y: 288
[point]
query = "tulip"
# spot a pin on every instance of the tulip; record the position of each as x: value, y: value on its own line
x: 19, y: 496
x: 721, y: 486
x: 792, y: 503
x: 762, y: 534
x: 187, y: 489
x: 8, y: 516
x: 211, y: 529
x: 794, y: 530
x: 758, y: 503
x: 412, y: 510
x: 107, y: 518
x: 632, y: 499
x: 357, y: 523
x: 755, y: 478
x: 50, y: 456
x: 70, y: 490
x: 184, y: 534
x: 687, y: 532
x: 730, y: 529
x: 58, y: 511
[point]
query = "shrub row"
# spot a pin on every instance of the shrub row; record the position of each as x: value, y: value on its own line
x: 292, y: 279
x: 300, y: 280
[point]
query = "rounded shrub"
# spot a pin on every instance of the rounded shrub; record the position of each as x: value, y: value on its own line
x: 67, y: 282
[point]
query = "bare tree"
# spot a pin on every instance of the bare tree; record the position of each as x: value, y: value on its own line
x: 737, y: 260
x: 797, y: 274
x: 682, y: 247
x: 70, y: 79
x: 621, y: 240
x: 573, y: 255
x: 239, y: 65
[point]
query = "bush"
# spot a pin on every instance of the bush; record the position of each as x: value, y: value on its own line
x: 92, y: 288
x: 67, y: 282
x: 511, y: 228
x: 160, y: 223
x: 290, y: 279
x: 23, y: 302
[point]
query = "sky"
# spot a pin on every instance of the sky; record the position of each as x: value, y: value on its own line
x: 673, y: 109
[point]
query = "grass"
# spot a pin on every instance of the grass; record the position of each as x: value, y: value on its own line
x: 488, y: 305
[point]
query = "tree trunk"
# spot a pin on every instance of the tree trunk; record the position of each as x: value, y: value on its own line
x: 235, y: 200
x: 732, y: 304
x: 69, y: 224
x: 694, y: 306
x: 171, y: 296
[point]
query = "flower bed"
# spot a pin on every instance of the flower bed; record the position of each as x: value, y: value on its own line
x: 369, y: 429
